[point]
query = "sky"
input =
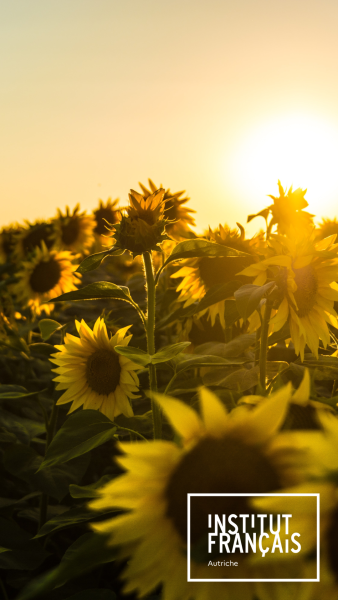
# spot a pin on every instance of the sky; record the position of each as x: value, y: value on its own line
x: 218, y: 98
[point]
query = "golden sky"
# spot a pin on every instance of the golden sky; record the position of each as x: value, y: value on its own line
x: 217, y: 97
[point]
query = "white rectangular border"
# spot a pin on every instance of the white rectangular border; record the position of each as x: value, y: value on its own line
x: 253, y: 580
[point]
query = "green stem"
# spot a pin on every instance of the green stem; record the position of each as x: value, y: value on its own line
x: 150, y: 329
x: 264, y: 344
x: 133, y: 432
x: 334, y: 389
x: 49, y: 437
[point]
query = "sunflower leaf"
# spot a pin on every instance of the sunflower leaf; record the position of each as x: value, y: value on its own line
x: 82, y: 432
x: 200, y: 248
x: 142, y: 358
x: 48, y: 327
x: 249, y: 296
x: 97, y: 291
x: 169, y: 352
x: 138, y: 356
x: 84, y: 555
x: 71, y: 517
x: 88, y: 491
x: 94, y: 260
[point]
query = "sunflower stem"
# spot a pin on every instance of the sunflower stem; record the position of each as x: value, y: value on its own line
x: 334, y: 388
x: 151, y: 300
x: 50, y: 434
x: 264, y: 344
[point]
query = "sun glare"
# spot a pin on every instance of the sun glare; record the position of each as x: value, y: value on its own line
x: 300, y: 150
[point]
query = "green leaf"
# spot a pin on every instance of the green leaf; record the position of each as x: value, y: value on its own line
x: 198, y: 248
x: 325, y: 367
x: 136, y: 355
x: 39, y: 348
x: 69, y: 518
x: 97, y: 291
x: 25, y: 553
x: 88, y: 491
x: 48, y: 327
x: 24, y: 429
x: 16, y: 395
x: 82, y: 431
x: 263, y: 213
x: 231, y: 350
x: 4, y: 550
x: 240, y: 380
x: 140, y: 423
x: 84, y: 555
x: 94, y: 260
x: 168, y: 352
x: 24, y: 463
x: 249, y: 296
x: 195, y: 361
x: 142, y: 358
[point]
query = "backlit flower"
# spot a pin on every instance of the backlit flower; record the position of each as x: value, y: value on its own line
x: 28, y: 238
x: 45, y: 275
x: 74, y: 230
x: 305, y: 273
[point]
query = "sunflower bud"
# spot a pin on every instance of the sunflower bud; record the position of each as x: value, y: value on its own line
x: 142, y: 228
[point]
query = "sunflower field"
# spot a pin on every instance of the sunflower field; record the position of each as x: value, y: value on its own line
x: 141, y: 362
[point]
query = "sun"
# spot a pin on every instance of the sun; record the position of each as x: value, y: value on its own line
x: 300, y: 150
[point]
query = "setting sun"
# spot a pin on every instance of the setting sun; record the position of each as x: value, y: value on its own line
x: 300, y: 150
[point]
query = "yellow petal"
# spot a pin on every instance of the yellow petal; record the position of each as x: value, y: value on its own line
x: 302, y: 395
x: 183, y: 418
x: 213, y: 412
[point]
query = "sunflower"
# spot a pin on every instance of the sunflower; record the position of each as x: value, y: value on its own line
x: 219, y: 453
x: 105, y: 213
x: 201, y: 274
x: 28, y: 238
x: 45, y: 275
x: 74, y: 231
x: 142, y: 224
x: 326, y: 228
x: 179, y: 216
x: 91, y: 372
x: 322, y: 451
x: 305, y: 272
x: 287, y: 211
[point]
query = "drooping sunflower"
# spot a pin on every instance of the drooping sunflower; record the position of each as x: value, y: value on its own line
x: 326, y: 228
x: 106, y: 212
x: 142, y: 224
x: 45, y: 275
x: 91, y: 372
x: 220, y: 453
x: 179, y: 216
x: 201, y: 274
x: 305, y: 273
x: 73, y: 231
x: 28, y: 238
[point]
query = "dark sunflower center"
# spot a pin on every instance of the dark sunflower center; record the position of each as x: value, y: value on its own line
x: 307, y: 286
x: 170, y: 210
x: 216, y: 466
x: 101, y: 216
x: 103, y: 371
x: 70, y: 231
x: 35, y: 236
x: 45, y: 276
x: 218, y: 270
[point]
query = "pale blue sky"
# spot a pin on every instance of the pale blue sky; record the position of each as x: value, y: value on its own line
x: 96, y: 96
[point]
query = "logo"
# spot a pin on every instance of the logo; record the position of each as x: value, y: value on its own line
x: 245, y: 544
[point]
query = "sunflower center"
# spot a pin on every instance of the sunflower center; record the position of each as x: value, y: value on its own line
x: 101, y: 216
x: 70, y: 231
x: 103, y: 371
x: 218, y: 270
x: 35, y: 236
x: 45, y: 276
x: 216, y: 466
x: 307, y: 286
